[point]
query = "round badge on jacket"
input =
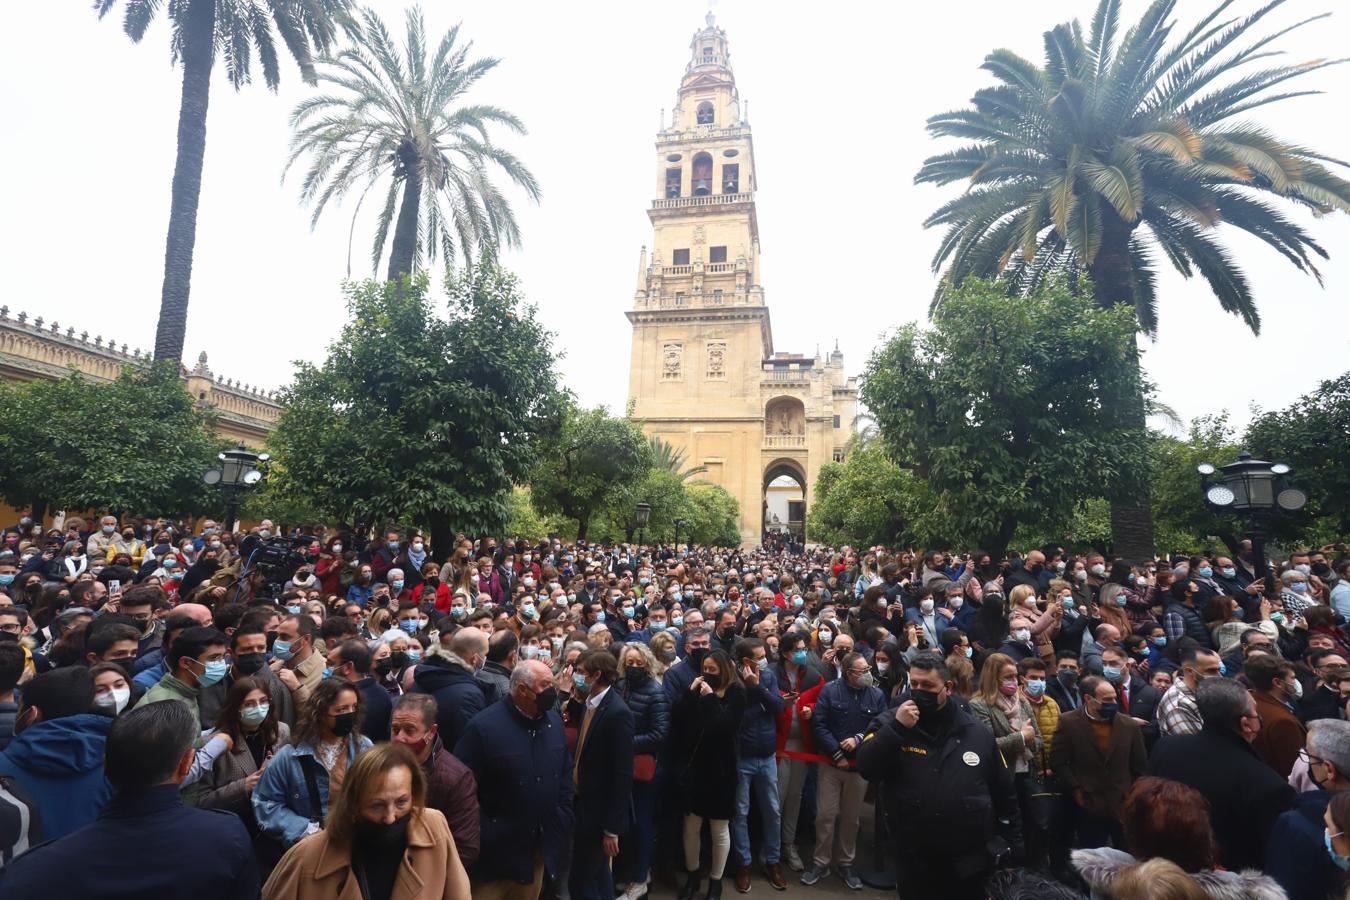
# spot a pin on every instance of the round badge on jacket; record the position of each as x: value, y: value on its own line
x: 970, y: 758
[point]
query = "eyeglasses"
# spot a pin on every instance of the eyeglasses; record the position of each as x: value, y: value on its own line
x: 1309, y: 759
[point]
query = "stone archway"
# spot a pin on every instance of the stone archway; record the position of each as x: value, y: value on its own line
x: 794, y: 524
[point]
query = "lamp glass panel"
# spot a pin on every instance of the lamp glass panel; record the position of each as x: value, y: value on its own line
x: 1260, y: 490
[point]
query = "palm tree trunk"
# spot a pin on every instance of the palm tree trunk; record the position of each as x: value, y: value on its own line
x: 198, y: 54
x: 1113, y: 283
x: 405, y: 232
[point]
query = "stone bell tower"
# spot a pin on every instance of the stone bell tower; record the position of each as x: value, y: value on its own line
x: 703, y: 374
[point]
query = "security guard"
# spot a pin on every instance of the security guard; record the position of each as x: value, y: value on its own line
x: 950, y: 800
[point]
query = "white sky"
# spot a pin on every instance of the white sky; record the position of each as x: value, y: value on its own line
x: 837, y: 93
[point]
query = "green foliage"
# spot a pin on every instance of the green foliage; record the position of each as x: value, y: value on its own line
x: 1125, y: 145
x: 1179, y: 511
x: 592, y: 459
x: 866, y: 500
x: 666, y: 456
x: 522, y: 520
x: 1313, y: 437
x: 137, y: 444
x: 1010, y: 408
x: 413, y: 416
x: 711, y: 516
x: 399, y: 121
x: 707, y: 510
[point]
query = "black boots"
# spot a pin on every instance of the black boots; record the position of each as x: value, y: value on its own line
x: 714, y: 889
x: 690, y: 887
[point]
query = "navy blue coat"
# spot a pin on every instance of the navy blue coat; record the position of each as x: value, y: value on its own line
x: 843, y: 712
x: 759, y: 722
x: 651, y: 715
x: 519, y: 764
x: 146, y: 844
x: 677, y: 679
x: 1296, y: 856
x: 379, y: 709
x: 459, y: 697
x: 59, y: 763
x: 604, y: 776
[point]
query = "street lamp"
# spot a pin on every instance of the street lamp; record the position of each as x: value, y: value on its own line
x: 679, y: 523
x: 1255, y: 490
x: 238, y: 470
x: 642, y: 514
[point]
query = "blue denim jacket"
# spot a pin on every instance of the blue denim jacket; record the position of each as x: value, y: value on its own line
x: 281, y: 797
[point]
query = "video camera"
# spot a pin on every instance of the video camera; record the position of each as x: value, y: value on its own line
x: 275, y: 558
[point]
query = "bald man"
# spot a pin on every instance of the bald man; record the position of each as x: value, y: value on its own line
x: 448, y: 676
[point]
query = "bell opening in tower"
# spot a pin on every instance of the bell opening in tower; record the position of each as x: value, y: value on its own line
x: 704, y: 114
x: 703, y: 171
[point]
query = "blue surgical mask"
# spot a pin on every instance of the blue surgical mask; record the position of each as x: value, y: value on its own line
x: 1109, y: 710
x: 658, y: 626
x: 1112, y: 673
x: 1342, y: 862
x: 414, y: 655
x: 1158, y: 641
x: 1223, y: 669
x: 1277, y: 617
x: 528, y: 611
x: 800, y: 657
x: 456, y: 610
x: 629, y: 612
x: 600, y: 616
x: 255, y: 715
x: 293, y: 610
x: 409, y: 626
x: 1229, y: 572
x: 969, y: 651
x: 327, y: 671
x: 393, y: 545
x: 1299, y: 587
x: 677, y: 621
x: 799, y: 602
x: 396, y: 586
x: 7, y: 579
x: 1120, y: 599
x: 282, y: 649
x: 1035, y: 686
x: 1206, y: 572
x: 580, y: 681
x: 215, y: 670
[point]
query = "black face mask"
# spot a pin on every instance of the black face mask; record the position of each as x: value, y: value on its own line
x: 378, y: 834
x: 712, y: 681
x: 344, y: 723
x: 926, y: 701
x: 398, y: 659
x: 638, y: 676
x: 727, y: 634
x: 433, y: 580
x: 271, y: 639
x: 249, y: 663
x: 1068, y: 678
x: 696, y: 658
x: 545, y: 700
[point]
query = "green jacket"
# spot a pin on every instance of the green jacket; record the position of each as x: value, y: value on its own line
x: 171, y: 688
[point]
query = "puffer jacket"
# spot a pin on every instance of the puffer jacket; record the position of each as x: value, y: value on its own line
x: 759, y: 723
x: 650, y: 706
x: 1099, y: 868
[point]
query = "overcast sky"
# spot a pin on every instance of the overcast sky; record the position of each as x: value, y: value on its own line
x: 838, y: 94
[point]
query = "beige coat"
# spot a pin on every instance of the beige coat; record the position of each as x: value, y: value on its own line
x: 314, y: 869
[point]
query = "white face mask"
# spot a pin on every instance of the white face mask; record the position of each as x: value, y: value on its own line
x: 1022, y: 634
x: 926, y: 604
x: 115, y: 699
x: 956, y: 602
x: 1099, y: 570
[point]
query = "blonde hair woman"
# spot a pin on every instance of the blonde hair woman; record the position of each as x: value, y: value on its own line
x: 379, y: 842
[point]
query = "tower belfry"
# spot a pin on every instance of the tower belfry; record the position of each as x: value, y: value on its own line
x: 703, y: 373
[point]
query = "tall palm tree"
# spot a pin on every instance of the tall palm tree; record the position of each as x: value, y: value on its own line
x: 237, y: 29
x: 1123, y: 147
x: 667, y: 458
x: 404, y: 120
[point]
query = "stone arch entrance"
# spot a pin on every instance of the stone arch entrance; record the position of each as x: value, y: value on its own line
x: 774, y: 525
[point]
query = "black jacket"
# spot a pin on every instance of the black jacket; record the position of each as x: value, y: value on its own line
x: 458, y: 696
x: 650, y: 706
x: 948, y: 793
x: 604, y: 769
x: 524, y: 776
x: 146, y: 844
x: 1057, y: 692
x: 1144, y: 700
x: 1245, y: 795
x: 379, y: 709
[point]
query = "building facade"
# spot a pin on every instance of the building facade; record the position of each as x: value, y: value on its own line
x: 704, y: 375
x: 34, y: 348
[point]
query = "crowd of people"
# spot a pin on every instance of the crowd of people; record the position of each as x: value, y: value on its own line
x: 188, y: 710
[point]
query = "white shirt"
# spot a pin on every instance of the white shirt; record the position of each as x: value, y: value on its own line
x: 596, y: 696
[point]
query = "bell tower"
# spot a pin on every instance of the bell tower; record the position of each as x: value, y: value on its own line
x: 702, y: 373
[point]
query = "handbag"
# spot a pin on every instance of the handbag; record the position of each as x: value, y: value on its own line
x: 644, y: 767
x: 1039, y: 799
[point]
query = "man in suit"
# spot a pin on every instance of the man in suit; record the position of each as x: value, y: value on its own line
x: 603, y: 775
x: 1063, y: 685
x: 1274, y: 688
x: 1137, y: 698
x: 1096, y: 756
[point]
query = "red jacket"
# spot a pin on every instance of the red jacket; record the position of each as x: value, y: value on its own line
x: 327, y: 570
x: 806, y: 700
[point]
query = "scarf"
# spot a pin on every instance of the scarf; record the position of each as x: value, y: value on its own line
x: 417, y: 558
x: 1012, y: 708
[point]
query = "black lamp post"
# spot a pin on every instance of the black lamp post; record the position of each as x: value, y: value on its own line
x: 238, y: 471
x: 642, y: 514
x: 1254, y: 490
x: 679, y: 523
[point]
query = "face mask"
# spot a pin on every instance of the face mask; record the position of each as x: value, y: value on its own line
x: 1158, y: 641
x: 396, y: 586
x: 926, y: 701
x: 1035, y: 686
x: 677, y: 621
x: 417, y: 546
x: 926, y: 605
x: 1022, y: 635
x: 6, y: 580
x: 1299, y: 587
x: 1304, y: 568
x: 265, y: 533
x: 762, y: 664
x: 637, y: 676
x: 956, y: 602
x: 528, y: 611
x: 1277, y: 617
x: 1223, y: 669
x: 969, y: 651
x: 336, y: 548
x: 215, y: 671
x: 344, y: 723
x: 128, y: 537
x: 393, y: 545
x: 1099, y: 570
x: 294, y: 610
x: 1109, y: 711
x: 327, y: 672
x: 581, y: 684
x: 1298, y: 689
x: 628, y: 612
x: 115, y: 699
x: 526, y: 558
x: 557, y: 643
x: 409, y: 626
x: 282, y: 649
x: 1112, y: 673
x: 546, y: 699
x: 414, y: 656
x: 600, y: 616
x: 799, y: 657
x: 658, y: 626
x: 1342, y: 862
x: 697, y: 656
x: 109, y: 529
x: 1007, y: 688
x: 456, y: 611
x: 883, y: 667
x: 825, y: 637
x: 1068, y: 678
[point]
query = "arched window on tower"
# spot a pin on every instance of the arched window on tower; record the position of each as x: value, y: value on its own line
x: 705, y: 113
x: 673, y: 178
x: 703, y: 175
x: 731, y: 178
